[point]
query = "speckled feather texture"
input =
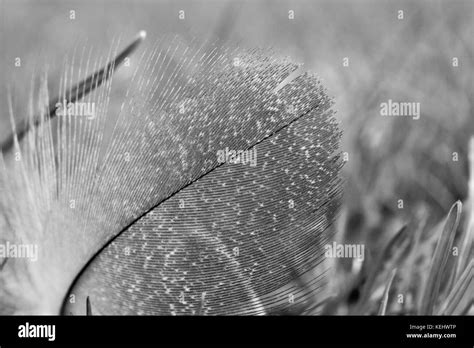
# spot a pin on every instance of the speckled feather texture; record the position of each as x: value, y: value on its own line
x: 133, y: 210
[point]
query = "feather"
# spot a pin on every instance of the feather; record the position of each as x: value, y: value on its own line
x: 79, y: 91
x: 135, y: 211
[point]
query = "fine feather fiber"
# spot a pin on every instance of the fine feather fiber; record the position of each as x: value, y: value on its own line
x: 132, y: 211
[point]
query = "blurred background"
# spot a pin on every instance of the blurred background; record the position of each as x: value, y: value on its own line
x: 422, y: 162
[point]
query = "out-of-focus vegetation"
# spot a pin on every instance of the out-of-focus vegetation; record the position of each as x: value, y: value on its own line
x: 422, y: 162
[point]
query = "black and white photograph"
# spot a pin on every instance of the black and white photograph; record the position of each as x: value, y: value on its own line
x: 277, y: 167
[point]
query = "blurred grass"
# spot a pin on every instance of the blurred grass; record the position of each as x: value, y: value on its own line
x: 389, y: 158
